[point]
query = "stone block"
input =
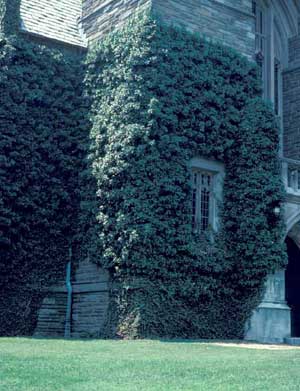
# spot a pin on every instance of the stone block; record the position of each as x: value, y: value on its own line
x: 270, y: 323
x: 224, y: 21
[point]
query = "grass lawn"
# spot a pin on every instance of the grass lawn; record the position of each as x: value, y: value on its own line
x: 48, y: 365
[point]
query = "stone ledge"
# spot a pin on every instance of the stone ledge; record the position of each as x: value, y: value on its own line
x: 272, y: 305
x: 295, y: 341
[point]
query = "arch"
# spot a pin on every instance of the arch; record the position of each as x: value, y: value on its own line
x: 288, y: 11
x: 285, y: 27
x: 285, y: 14
x: 291, y: 222
x: 276, y: 22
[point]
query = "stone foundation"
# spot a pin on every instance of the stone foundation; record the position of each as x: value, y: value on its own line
x: 270, y: 323
x: 271, y: 320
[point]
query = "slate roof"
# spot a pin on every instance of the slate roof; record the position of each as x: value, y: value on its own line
x: 54, y: 19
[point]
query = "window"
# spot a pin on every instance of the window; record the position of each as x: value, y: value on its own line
x: 277, y: 86
x: 269, y: 52
x: 291, y: 176
x: 260, y: 34
x: 207, y: 183
x: 202, y: 183
x: 294, y: 178
x: 261, y: 42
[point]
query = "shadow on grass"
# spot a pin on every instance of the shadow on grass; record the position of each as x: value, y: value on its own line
x: 161, y: 340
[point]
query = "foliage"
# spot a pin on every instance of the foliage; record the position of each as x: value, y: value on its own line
x: 9, y: 16
x: 43, y: 130
x: 160, y: 97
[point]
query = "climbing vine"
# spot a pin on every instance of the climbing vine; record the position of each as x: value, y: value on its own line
x: 162, y: 96
x: 9, y: 17
x: 42, y: 149
x: 95, y: 157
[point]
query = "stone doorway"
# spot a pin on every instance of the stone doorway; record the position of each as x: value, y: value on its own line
x: 292, y: 285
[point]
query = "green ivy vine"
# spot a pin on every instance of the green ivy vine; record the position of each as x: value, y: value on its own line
x: 94, y: 155
x: 161, y: 96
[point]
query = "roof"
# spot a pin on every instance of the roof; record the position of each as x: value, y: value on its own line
x: 54, y: 19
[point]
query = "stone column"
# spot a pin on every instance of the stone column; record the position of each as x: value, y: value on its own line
x: 271, y: 321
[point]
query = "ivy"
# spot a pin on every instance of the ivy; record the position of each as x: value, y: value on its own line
x: 160, y: 97
x: 42, y: 148
x: 94, y: 156
x: 9, y: 17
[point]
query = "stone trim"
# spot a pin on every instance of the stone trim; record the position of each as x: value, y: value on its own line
x: 218, y: 173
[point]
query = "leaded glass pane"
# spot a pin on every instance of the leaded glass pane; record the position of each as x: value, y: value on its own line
x: 201, y: 200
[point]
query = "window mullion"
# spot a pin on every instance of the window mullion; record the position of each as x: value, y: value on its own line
x: 199, y: 190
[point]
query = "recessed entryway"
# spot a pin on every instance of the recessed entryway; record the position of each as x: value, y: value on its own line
x: 292, y: 285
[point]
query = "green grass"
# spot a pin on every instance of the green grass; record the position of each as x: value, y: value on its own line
x: 48, y: 365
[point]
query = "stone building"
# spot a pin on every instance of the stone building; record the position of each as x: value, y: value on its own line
x: 265, y: 31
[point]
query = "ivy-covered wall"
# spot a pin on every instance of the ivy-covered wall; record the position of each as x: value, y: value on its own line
x: 160, y: 97
x: 9, y: 16
x: 43, y: 129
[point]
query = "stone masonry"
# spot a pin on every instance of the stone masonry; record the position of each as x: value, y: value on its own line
x: 225, y: 21
x: 90, y: 299
x: 101, y: 16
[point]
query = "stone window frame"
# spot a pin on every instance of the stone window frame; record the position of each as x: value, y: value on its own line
x: 264, y: 45
x: 217, y: 172
x: 291, y: 176
x: 261, y: 41
x: 277, y: 21
x: 272, y: 59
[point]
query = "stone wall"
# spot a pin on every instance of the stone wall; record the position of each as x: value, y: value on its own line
x: 90, y: 300
x: 101, y: 16
x: 228, y: 21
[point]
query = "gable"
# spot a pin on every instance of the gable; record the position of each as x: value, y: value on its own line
x: 53, y: 19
